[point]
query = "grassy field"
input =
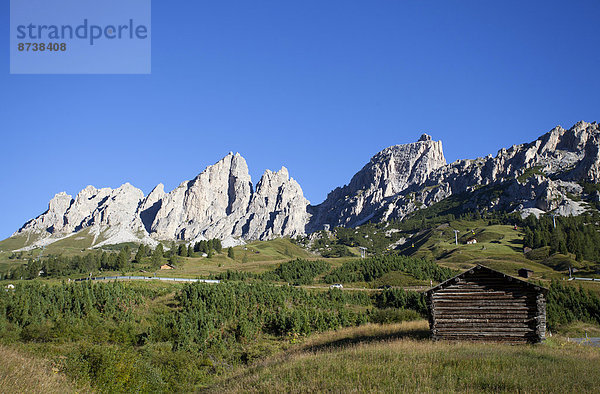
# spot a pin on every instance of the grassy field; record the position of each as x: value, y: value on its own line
x: 498, y: 246
x: 369, y: 358
x: 22, y: 373
x: 373, y: 358
x: 400, y: 358
x: 257, y: 257
x: 69, y: 246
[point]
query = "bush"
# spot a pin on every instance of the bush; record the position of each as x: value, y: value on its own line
x: 567, y: 304
x: 113, y: 369
x: 298, y: 272
x: 337, y: 251
x: 366, y: 270
x: 214, y: 317
x: 393, y: 315
x: 401, y: 299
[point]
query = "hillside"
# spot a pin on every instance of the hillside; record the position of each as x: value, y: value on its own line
x: 304, y: 311
x: 398, y: 357
x: 257, y: 256
x: 498, y: 246
x: 271, y: 325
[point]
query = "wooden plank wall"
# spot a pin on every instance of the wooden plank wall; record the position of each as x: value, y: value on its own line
x: 485, y: 306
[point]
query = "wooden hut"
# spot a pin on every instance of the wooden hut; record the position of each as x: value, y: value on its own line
x: 487, y: 305
x: 525, y: 273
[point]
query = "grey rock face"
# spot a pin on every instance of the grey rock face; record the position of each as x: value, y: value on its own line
x: 209, y: 205
x: 389, y: 173
x: 401, y: 179
x: 53, y: 219
x: 150, y: 206
x: 218, y: 203
x: 540, y: 173
x: 221, y: 203
x: 277, y: 208
x: 102, y: 207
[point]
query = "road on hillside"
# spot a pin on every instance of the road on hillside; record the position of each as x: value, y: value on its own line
x: 319, y: 287
x: 325, y: 287
x: 590, y: 341
x: 148, y: 278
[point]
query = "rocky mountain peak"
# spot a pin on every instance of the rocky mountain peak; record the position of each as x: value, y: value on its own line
x: 534, y: 176
x: 388, y: 173
x: 221, y: 201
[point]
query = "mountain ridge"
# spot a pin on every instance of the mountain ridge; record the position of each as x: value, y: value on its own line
x: 222, y: 202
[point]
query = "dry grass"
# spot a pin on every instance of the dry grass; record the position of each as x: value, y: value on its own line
x: 399, y: 357
x: 21, y: 373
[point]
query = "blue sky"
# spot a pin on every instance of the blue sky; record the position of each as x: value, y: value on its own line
x: 317, y: 86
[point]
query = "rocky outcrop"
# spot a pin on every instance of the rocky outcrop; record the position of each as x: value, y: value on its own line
x: 150, y: 206
x: 537, y: 177
x: 389, y: 173
x: 102, y: 207
x: 539, y: 174
x: 219, y: 203
x: 277, y: 208
x: 210, y: 205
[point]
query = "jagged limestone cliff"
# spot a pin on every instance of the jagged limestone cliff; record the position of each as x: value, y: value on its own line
x: 541, y: 176
x: 219, y: 203
x: 532, y: 178
x: 389, y: 173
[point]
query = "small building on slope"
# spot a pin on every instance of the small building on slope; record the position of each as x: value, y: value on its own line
x: 487, y: 305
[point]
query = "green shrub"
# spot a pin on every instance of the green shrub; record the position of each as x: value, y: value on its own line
x: 366, y: 270
x: 567, y: 304
x: 393, y: 315
x: 297, y: 272
x: 113, y: 369
x: 401, y: 299
x: 337, y: 251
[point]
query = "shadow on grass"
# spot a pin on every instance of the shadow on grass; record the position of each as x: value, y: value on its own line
x: 516, y: 242
x: 267, y: 364
x: 366, y: 339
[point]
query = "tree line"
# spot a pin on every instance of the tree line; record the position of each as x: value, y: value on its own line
x: 574, y: 234
x: 369, y: 269
x: 122, y: 260
x: 297, y: 272
x: 567, y: 304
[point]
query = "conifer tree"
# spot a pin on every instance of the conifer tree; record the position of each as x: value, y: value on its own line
x: 204, y: 246
x: 157, y: 256
x: 141, y: 253
x: 217, y: 245
x: 182, y: 250
x: 122, y: 259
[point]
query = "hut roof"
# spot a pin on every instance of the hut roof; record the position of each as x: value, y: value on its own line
x: 483, y: 268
